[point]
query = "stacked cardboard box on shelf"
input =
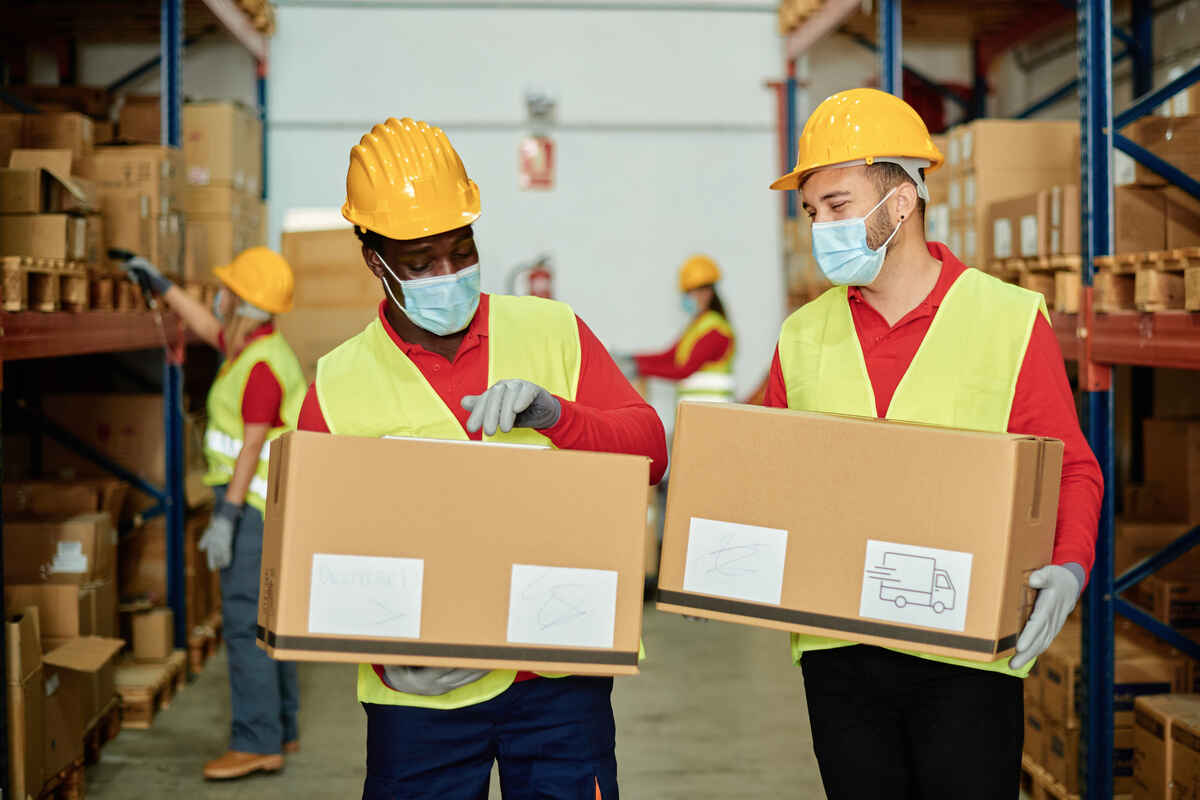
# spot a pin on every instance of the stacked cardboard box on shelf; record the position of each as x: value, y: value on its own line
x: 937, y: 209
x: 1036, y: 224
x: 222, y: 146
x: 992, y: 160
x: 141, y: 190
x: 1166, y: 742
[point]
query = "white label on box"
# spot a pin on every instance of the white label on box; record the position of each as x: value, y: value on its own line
x: 916, y: 585
x: 955, y: 194
x: 969, y: 192
x: 1056, y: 193
x: 938, y: 224
x: 1002, y: 238
x: 144, y: 206
x: 52, y: 684
x: 199, y: 175
x: 562, y: 606
x: 69, y: 557
x: 1029, y: 235
x: 969, y: 243
x: 956, y: 243
x: 1055, y: 244
x: 1124, y: 169
x: 366, y: 596
x: 79, y: 251
x: 728, y: 559
x: 967, y: 145
x: 952, y: 151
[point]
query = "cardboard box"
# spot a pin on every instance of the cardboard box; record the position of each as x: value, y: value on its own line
x: 104, y: 623
x: 146, y: 180
x: 1020, y: 226
x: 61, y: 131
x: 26, y: 704
x: 1154, y: 716
x: 1065, y: 236
x: 213, y: 242
x: 1140, y: 221
x: 86, y: 668
x: 1185, y: 758
x: 941, y: 577
x: 56, y: 497
x: 105, y: 131
x: 1035, y: 734
x: 62, y: 236
x: 468, y: 583
x: 40, y: 182
x: 1177, y: 602
x: 1172, y: 449
x: 1062, y: 757
x: 11, y: 134
x: 1174, y: 139
x: 1183, y: 219
x: 143, y: 567
x: 1005, y: 144
x: 153, y: 634
x: 77, y: 549
x: 65, y: 704
x: 222, y: 143
x: 140, y: 119
x: 91, y: 101
x: 64, y: 611
x: 217, y: 201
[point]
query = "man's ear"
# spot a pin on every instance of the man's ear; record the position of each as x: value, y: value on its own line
x: 906, y: 200
x: 371, y: 258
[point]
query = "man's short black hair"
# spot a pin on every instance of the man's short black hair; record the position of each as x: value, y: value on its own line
x: 370, y: 239
x: 886, y: 175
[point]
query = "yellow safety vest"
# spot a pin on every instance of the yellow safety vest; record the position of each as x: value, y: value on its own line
x: 964, y: 375
x: 223, y: 438
x: 713, y: 382
x: 369, y: 387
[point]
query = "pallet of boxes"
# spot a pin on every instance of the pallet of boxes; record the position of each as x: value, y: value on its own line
x: 60, y: 563
x: 51, y: 234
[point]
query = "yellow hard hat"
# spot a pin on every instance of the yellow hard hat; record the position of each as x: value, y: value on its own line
x: 261, y: 277
x: 860, y: 125
x: 405, y: 182
x: 697, y: 271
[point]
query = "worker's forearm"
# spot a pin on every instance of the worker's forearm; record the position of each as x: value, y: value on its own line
x: 634, y: 429
x: 195, y: 315
x: 254, y: 438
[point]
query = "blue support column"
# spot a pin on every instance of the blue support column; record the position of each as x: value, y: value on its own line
x: 1095, y: 100
x: 1141, y: 23
x: 176, y: 500
x: 792, y: 87
x: 891, y: 76
x: 261, y: 90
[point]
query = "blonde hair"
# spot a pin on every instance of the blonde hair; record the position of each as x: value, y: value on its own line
x: 237, y: 329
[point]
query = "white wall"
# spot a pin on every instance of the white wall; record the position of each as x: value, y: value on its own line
x: 665, y: 143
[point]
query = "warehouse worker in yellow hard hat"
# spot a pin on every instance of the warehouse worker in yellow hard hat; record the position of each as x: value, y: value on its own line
x: 255, y: 398
x: 701, y: 362
x: 910, y: 333
x: 444, y: 360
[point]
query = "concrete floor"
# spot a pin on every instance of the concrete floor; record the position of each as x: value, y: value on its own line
x: 718, y: 712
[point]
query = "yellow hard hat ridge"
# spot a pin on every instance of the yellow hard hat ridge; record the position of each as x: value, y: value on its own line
x: 696, y: 271
x: 261, y: 277
x: 406, y: 181
x: 860, y: 125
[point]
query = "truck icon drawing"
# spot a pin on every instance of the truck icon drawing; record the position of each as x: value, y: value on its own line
x: 913, y: 580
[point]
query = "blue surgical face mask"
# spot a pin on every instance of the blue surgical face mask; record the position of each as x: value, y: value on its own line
x: 841, y: 249
x: 689, y: 304
x: 443, y: 304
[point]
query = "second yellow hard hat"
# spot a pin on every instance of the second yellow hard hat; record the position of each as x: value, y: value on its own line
x: 262, y: 277
x: 860, y: 125
x: 697, y: 271
x: 406, y: 182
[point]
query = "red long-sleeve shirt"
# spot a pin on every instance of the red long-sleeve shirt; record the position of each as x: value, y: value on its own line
x: 1042, y: 406
x: 608, y: 414
x: 710, y: 347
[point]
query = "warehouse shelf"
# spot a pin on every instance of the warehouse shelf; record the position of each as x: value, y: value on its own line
x: 1165, y: 339
x: 32, y: 334
x: 1066, y: 328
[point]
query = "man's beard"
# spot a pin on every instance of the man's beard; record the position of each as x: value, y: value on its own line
x: 879, y: 228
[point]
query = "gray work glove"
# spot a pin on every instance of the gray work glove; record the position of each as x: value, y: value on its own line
x: 430, y: 681
x: 143, y: 273
x: 217, y: 541
x: 511, y: 404
x: 1058, y: 590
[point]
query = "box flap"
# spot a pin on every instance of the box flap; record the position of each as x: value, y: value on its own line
x: 85, y: 654
x: 24, y: 644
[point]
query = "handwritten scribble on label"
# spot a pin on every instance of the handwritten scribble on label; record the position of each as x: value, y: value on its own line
x: 562, y: 606
x: 366, y: 596
x: 729, y: 559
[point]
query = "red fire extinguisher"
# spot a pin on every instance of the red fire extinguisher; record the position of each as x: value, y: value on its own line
x: 536, y: 279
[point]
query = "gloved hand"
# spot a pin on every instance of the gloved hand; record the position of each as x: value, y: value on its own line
x: 143, y: 273
x: 430, y: 681
x: 217, y: 541
x: 511, y: 403
x: 1058, y: 590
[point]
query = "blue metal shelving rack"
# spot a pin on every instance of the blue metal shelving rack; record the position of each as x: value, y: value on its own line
x: 1097, y: 342
x: 32, y: 335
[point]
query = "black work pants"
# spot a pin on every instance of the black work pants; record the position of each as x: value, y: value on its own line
x: 889, y: 725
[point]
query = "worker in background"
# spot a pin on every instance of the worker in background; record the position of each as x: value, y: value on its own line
x: 444, y: 360
x: 701, y: 362
x: 255, y: 398
x: 910, y: 333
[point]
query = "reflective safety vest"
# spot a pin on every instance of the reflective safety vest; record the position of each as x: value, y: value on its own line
x: 713, y: 382
x: 964, y: 375
x: 223, y: 439
x: 369, y: 387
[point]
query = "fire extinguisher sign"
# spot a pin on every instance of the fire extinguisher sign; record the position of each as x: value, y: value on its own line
x: 535, y: 163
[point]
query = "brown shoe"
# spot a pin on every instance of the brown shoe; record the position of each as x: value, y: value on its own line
x: 292, y: 747
x: 238, y: 765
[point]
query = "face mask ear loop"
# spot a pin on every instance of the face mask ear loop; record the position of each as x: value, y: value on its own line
x: 387, y: 288
x: 882, y: 250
